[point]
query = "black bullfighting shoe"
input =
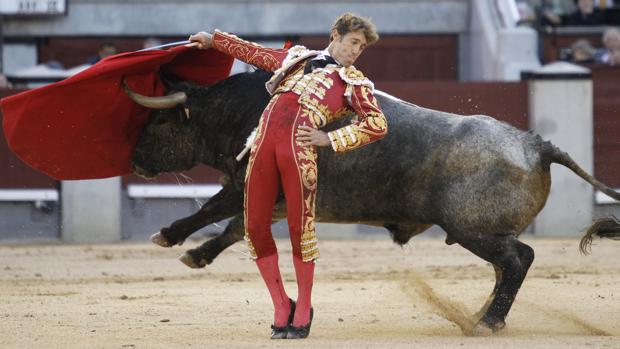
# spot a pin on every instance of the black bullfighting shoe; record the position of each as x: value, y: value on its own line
x: 282, y: 332
x: 302, y: 331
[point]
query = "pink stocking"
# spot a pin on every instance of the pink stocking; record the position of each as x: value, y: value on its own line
x: 305, y: 275
x: 269, y: 270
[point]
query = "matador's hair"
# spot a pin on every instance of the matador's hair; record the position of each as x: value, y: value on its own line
x: 350, y: 22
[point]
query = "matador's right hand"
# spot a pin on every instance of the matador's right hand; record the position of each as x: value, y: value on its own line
x: 203, y: 40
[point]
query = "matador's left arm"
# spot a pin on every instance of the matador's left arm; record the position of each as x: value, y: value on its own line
x: 370, y: 125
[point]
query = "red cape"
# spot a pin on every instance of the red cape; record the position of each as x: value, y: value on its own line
x: 86, y: 127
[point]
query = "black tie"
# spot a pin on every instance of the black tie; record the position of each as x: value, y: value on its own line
x: 318, y: 63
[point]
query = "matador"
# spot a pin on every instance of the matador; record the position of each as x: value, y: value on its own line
x: 309, y: 89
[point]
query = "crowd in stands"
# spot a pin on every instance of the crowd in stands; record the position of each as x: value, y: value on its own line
x: 570, y: 12
x: 583, y: 52
x: 545, y: 14
x: 52, y: 69
x: 105, y: 49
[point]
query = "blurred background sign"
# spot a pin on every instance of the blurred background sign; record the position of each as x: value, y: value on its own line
x: 33, y: 7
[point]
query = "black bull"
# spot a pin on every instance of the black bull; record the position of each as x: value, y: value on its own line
x: 482, y: 180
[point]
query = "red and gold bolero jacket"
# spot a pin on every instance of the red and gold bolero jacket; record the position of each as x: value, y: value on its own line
x: 326, y: 94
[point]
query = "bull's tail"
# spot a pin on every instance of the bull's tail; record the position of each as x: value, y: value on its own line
x: 555, y: 155
x: 605, y: 227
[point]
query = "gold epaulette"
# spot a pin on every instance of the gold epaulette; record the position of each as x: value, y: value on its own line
x: 352, y: 76
x: 293, y: 54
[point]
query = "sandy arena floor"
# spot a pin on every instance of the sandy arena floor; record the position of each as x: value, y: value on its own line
x: 368, y: 294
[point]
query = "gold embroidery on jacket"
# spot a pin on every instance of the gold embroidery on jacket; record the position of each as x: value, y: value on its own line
x: 294, y: 54
x: 352, y: 76
x: 371, y: 126
x: 319, y: 113
x: 237, y: 47
x: 312, y: 89
x: 316, y: 83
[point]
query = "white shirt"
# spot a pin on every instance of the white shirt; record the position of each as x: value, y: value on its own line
x: 323, y: 54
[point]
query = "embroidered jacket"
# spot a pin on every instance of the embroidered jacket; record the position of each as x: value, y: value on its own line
x: 326, y: 94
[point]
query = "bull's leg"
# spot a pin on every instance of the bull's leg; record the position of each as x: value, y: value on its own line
x: 485, y: 307
x: 513, y: 259
x: 226, y: 203
x: 204, y: 254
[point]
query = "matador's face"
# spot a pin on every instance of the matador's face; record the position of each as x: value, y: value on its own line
x: 347, y: 48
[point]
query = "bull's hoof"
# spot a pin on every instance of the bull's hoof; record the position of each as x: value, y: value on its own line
x: 187, y: 259
x: 160, y: 240
x: 482, y: 329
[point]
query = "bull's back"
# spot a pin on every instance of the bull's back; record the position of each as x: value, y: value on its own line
x: 433, y: 167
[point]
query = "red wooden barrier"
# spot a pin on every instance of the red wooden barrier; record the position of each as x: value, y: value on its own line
x: 606, y: 81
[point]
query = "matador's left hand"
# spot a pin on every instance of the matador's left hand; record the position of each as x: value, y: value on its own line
x: 307, y: 135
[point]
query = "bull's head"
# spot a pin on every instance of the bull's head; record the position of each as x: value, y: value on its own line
x: 170, y: 139
x: 198, y: 124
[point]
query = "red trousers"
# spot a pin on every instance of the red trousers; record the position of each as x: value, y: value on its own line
x: 278, y: 161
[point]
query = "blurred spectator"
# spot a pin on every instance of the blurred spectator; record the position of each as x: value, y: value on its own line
x: 586, y: 14
x: 151, y: 42
x: 571, y: 12
x: 611, y: 53
x: 604, y: 4
x: 551, y: 12
x: 106, y: 49
x: 527, y: 13
x: 582, y: 51
x: 4, y: 82
x: 612, y: 11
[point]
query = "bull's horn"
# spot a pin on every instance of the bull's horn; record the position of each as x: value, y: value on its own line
x: 163, y: 102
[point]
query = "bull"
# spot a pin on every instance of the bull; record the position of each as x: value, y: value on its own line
x: 481, y: 180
